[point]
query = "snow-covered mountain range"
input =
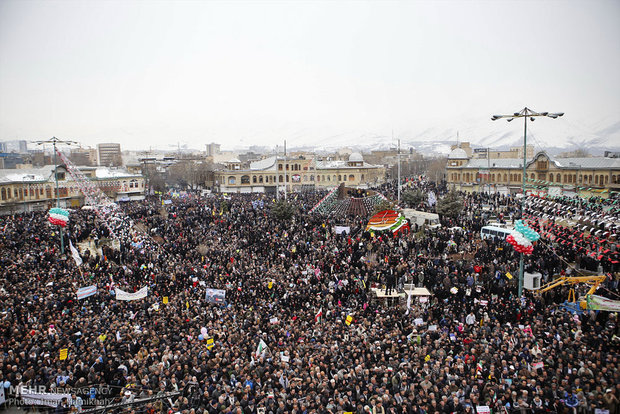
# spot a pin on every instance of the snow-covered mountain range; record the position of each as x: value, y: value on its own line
x: 553, y: 136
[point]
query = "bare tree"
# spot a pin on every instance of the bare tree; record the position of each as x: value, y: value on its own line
x: 437, y: 169
x: 189, y: 174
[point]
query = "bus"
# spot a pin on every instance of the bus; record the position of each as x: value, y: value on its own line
x: 488, y: 232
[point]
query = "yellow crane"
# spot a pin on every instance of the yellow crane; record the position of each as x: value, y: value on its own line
x: 593, y: 281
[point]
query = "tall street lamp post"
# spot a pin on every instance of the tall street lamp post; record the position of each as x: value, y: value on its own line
x: 55, y: 141
x: 525, y: 113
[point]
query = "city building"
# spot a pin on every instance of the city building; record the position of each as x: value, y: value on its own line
x: 213, y: 149
x: 110, y: 154
x: 16, y: 146
x: 35, y: 189
x: 83, y: 156
x: 297, y: 174
x: 515, y: 152
x: 11, y: 160
x: 354, y: 172
x: 545, y: 175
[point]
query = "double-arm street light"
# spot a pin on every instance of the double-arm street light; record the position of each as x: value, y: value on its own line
x: 525, y: 113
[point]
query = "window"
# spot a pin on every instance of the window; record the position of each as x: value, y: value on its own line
x: 596, y: 179
x: 281, y: 178
x: 232, y: 180
x: 541, y: 165
x: 505, y: 177
x: 280, y: 167
x: 351, y: 177
x: 311, y: 177
x: 3, y: 194
x: 254, y: 181
x: 260, y: 178
x: 339, y: 177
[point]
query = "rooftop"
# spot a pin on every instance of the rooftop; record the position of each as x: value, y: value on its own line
x: 45, y: 173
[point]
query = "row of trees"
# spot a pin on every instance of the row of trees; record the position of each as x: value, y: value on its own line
x: 185, y: 173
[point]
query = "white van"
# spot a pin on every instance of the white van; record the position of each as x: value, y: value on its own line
x: 422, y: 218
x: 488, y: 232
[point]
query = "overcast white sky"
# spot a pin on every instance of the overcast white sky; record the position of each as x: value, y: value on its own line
x: 153, y: 73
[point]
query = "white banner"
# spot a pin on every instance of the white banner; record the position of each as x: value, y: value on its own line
x: 483, y: 409
x: 30, y: 397
x: 122, y: 295
x: 342, y: 229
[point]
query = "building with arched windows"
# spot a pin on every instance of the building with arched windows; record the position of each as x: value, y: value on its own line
x: 570, y: 176
x: 34, y: 189
x: 297, y: 174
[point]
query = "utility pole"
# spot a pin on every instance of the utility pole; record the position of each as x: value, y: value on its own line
x: 398, y: 170
x: 277, y: 177
x: 315, y: 176
x: 488, y: 174
x: 55, y: 141
x: 525, y: 113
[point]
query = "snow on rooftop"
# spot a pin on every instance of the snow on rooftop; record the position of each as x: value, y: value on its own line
x: 110, y: 173
x: 264, y: 164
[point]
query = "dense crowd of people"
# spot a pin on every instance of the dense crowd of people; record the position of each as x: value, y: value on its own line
x: 300, y: 330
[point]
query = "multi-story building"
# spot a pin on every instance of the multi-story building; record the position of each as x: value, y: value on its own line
x: 213, y: 149
x: 109, y: 154
x: 11, y: 160
x: 35, y: 189
x: 16, y: 146
x: 545, y: 174
x: 354, y: 172
x: 514, y: 152
x: 83, y: 156
x: 297, y: 174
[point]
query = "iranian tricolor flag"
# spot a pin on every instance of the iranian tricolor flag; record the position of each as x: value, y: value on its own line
x: 319, y: 316
x: 260, y: 349
x: 58, y: 216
